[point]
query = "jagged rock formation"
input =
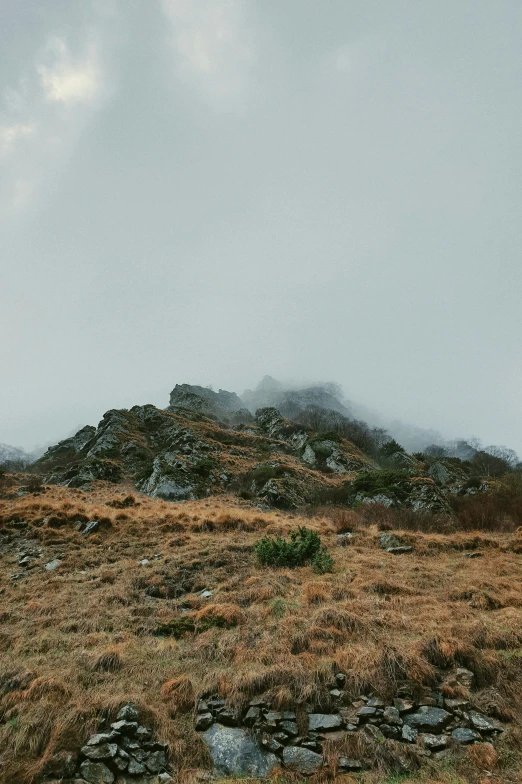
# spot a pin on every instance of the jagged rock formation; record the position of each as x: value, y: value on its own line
x: 183, y: 453
x: 270, y: 393
x: 208, y: 443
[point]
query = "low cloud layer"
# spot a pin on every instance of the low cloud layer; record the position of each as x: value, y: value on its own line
x: 212, y: 191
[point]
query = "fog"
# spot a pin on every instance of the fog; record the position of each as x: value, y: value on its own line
x: 208, y: 191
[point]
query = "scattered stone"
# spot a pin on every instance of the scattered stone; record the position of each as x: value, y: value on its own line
x: 433, y: 742
x: 374, y: 702
x: 373, y: 732
x: 52, y: 565
x: 204, y: 721
x: 143, y: 562
x: 96, y: 773
x: 366, y: 712
x: 203, y: 707
x: 134, y: 767
x: 409, y: 734
x: 465, y: 735
x: 403, y: 706
x: 340, y: 679
x: 453, y: 705
x: 475, y: 555
x: 323, y: 722
x: 335, y: 693
x: 289, y: 728
x: 228, y: 717
x: 102, y: 737
x: 391, y: 731
x: 125, y: 727
x: 399, y: 550
x: 465, y: 677
x: 102, y: 752
x: 392, y: 716
x: 302, y: 760
x: 346, y: 764
x: 156, y: 762
x: 428, y: 718
x: 483, y: 723
x: 90, y: 527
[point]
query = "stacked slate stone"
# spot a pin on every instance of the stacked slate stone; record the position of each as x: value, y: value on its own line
x: 431, y: 723
x: 124, y: 754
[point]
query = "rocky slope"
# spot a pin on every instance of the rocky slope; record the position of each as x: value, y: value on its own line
x: 207, y: 443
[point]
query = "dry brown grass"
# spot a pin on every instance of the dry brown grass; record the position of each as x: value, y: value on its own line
x: 78, y: 642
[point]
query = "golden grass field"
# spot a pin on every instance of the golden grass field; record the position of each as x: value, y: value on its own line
x: 77, y: 642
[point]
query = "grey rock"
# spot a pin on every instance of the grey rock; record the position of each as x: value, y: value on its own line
x: 52, y: 565
x: 335, y: 693
x: 121, y: 763
x: 156, y: 762
x: 433, y: 742
x: 403, y: 706
x: 366, y: 712
x: 102, y: 737
x: 409, y: 734
x: 228, y: 717
x: 375, y: 702
x: 483, y: 723
x: 399, y: 550
x: 90, y: 527
x: 455, y: 704
x: 302, y: 760
x: 251, y: 716
x: 125, y: 727
x: 372, y: 732
x: 465, y: 677
x: 465, y: 735
x: 203, y: 707
x: 289, y: 716
x: 323, y: 722
x: 391, y: 731
x: 143, y: 733
x: 428, y: 718
x: 235, y: 753
x: 134, y: 767
x: 204, y: 721
x: 101, y: 752
x: 392, y: 716
x: 289, y: 728
x: 96, y: 773
x: 340, y: 679
x: 275, y: 746
x: 345, y: 763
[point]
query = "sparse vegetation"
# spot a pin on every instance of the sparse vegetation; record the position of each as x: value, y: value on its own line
x: 303, y: 547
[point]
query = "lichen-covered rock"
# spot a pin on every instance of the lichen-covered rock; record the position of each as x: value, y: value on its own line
x: 96, y: 773
x: 428, y: 719
x: 302, y: 760
x: 235, y: 753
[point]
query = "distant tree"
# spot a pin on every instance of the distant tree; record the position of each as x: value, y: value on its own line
x: 390, y: 448
x: 504, y: 453
x: 489, y: 465
x: 435, y: 450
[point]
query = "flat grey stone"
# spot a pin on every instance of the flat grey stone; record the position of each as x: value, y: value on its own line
x: 465, y: 735
x: 96, y: 773
x: 483, y: 723
x: 302, y: 760
x: 428, y: 718
x: 323, y: 722
x: 101, y: 752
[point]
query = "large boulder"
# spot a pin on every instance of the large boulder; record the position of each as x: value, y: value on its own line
x: 235, y: 753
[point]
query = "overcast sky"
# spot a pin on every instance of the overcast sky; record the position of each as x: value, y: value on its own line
x: 206, y: 191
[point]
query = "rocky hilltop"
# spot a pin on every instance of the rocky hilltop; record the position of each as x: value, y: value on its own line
x: 209, y: 443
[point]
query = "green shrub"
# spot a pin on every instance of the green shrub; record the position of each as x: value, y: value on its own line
x: 322, y: 562
x: 304, y: 547
x: 373, y: 483
x: 390, y: 448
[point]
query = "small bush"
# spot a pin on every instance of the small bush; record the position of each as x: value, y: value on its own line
x: 322, y: 562
x: 303, y: 548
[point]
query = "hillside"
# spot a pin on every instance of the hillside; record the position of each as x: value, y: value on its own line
x: 209, y: 591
